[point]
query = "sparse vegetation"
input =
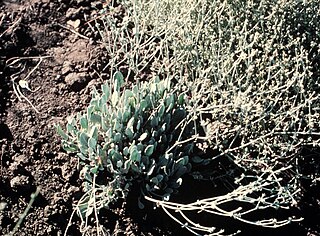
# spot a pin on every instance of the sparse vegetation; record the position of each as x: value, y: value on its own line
x: 221, y: 94
x: 251, y: 70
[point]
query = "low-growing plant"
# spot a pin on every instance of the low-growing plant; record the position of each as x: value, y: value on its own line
x: 251, y: 69
x: 128, y: 135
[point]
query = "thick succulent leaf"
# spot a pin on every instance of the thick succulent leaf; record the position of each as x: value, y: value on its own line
x: 154, y: 121
x: 129, y: 133
x: 81, y: 156
x: 179, y: 114
x: 105, y: 91
x: 181, y: 171
x: 138, y: 126
x: 127, y: 165
x: 83, y: 149
x: 84, y: 139
x: 131, y: 123
x: 126, y: 151
x: 115, y: 98
x: 70, y: 148
x: 154, y: 180
x: 149, y: 150
x: 143, y: 105
x: 183, y: 160
x: 61, y: 132
x: 181, y: 99
x: 118, y: 80
x: 95, y: 118
x: 135, y: 156
x: 117, y: 137
x: 117, y: 126
x: 161, y: 110
x: 92, y: 143
x: 197, y: 159
x: 84, y: 122
x: 126, y: 115
x: 94, y: 132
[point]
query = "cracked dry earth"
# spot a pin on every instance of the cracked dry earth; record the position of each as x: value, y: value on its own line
x: 48, y: 44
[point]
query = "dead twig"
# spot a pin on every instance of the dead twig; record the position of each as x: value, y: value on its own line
x: 1, y: 156
x: 11, y: 27
x: 23, y: 83
x: 25, y: 212
x: 73, y: 31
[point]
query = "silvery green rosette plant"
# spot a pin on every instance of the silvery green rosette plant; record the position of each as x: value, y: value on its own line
x: 128, y: 135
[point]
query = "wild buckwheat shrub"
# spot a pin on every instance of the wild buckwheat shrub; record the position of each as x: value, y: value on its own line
x: 128, y: 136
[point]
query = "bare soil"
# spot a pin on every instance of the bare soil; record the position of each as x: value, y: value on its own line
x: 31, y: 156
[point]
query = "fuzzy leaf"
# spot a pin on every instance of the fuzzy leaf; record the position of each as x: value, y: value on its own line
x: 135, y: 156
x: 143, y: 105
x: 149, y: 150
x: 119, y: 163
x: 126, y: 151
x: 154, y: 180
x: 161, y: 110
x: 95, y: 118
x: 61, y: 132
x: 84, y: 123
x: 119, y: 80
x: 154, y: 121
x: 130, y: 123
x: 94, y: 132
x: 197, y: 159
x: 84, y: 139
x: 181, y: 99
x: 183, y: 160
x: 105, y: 91
x: 92, y: 143
x: 117, y: 137
x: 114, y: 98
x: 129, y: 133
x: 143, y: 136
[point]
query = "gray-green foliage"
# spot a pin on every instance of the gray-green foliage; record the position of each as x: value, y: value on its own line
x: 131, y: 135
x: 252, y: 69
x: 261, y: 63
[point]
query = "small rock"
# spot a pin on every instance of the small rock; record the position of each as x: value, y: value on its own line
x: 20, y: 181
x: 66, y: 67
x: 66, y: 171
x: 74, y: 23
x: 76, y: 81
x: 21, y: 159
x: 72, y: 12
